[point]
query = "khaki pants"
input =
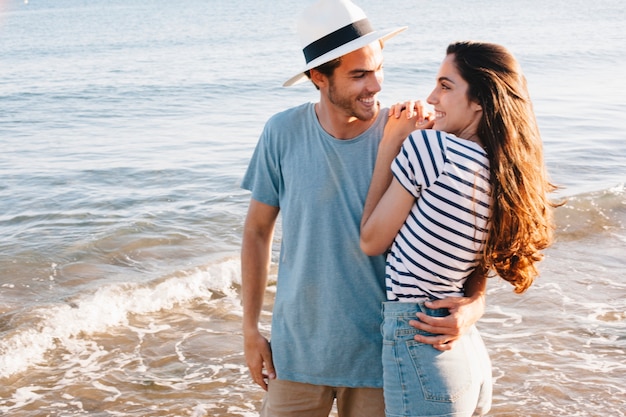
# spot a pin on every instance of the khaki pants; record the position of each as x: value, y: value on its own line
x: 295, y: 399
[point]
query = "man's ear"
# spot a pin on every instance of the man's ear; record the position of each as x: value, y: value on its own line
x: 319, y: 79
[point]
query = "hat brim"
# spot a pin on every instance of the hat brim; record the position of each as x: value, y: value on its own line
x: 343, y: 50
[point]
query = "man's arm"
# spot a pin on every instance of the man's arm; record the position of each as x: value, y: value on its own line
x: 464, y: 312
x: 255, y: 263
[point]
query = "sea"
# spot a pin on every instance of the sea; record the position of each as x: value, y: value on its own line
x: 126, y: 127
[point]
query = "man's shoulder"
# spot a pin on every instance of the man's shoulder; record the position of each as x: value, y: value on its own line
x: 291, y: 114
x: 294, y: 122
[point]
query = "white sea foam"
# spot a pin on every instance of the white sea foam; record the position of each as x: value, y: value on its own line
x: 63, y: 325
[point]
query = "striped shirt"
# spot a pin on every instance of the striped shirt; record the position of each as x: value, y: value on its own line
x: 442, y: 239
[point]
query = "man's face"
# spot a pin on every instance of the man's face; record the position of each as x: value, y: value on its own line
x: 356, y: 82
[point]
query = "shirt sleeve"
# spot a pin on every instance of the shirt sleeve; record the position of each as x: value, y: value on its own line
x: 420, y: 161
x: 262, y: 177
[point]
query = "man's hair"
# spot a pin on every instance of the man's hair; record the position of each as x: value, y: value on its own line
x: 328, y: 69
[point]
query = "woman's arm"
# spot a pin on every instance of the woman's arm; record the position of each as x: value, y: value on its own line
x: 388, y: 203
x: 380, y: 228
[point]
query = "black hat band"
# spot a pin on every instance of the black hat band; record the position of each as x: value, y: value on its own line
x: 336, y: 39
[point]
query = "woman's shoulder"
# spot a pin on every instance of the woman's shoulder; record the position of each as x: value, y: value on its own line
x: 449, y: 142
x: 429, y: 139
x: 430, y: 135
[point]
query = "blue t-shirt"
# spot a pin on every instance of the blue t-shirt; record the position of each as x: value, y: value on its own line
x: 326, y: 317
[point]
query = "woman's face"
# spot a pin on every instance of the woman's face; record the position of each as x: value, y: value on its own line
x: 454, y: 112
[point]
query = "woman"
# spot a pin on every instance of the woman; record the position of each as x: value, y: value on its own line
x: 472, y: 193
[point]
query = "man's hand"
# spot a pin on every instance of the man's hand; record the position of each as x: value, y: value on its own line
x: 464, y: 312
x: 259, y: 358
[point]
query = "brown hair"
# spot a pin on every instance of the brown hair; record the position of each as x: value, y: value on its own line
x: 328, y: 69
x: 521, y: 223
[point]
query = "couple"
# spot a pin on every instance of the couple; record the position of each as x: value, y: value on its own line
x: 354, y: 182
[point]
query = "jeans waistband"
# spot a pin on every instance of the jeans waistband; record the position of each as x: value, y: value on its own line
x: 402, y: 309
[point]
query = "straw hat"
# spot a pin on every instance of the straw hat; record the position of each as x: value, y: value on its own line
x: 332, y: 28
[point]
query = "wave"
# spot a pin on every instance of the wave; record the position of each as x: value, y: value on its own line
x: 67, y: 325
x: 30, y: 337
x: 593, y: 215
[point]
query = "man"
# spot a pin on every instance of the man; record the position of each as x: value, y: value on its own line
x: 313, y: 164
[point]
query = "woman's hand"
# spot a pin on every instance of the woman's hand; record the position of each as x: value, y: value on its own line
x: 413, y: 109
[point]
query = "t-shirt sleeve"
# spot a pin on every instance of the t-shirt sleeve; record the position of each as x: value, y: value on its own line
x: 262, y: 176
x: 420, y: 161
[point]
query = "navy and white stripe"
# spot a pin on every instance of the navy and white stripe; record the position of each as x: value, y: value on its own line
x: 441, y: 241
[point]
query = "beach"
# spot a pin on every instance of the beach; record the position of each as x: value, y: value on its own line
x: 127, y: 127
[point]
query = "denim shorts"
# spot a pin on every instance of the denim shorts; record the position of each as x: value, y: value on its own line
x: 420, y: 380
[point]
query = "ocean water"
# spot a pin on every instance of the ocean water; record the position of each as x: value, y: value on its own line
x: 126, y: 126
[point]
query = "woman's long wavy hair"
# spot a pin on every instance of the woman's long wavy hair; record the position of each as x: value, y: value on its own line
x: 521, y: 219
